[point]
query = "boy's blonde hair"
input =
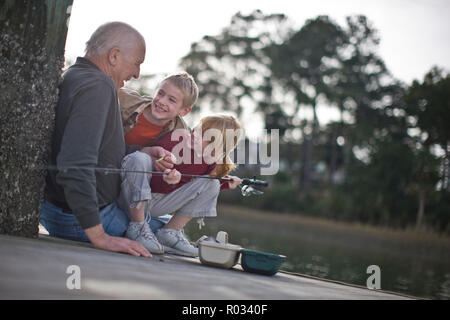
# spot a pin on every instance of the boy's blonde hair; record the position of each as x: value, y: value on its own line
x: 186, y: 83
x: 226, y: 124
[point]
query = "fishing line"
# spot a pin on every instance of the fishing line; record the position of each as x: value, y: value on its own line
x: 246, y: 189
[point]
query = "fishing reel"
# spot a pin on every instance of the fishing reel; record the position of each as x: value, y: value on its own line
x: 247, y: 189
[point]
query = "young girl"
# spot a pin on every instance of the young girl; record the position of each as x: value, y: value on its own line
x: 183, y: 196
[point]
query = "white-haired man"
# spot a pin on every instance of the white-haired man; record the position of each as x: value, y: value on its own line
x: 79, y: 201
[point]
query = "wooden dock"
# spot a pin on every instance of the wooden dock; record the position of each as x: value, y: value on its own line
x: 39, y: 269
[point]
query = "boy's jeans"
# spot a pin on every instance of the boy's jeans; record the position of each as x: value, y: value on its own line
x: 65, y: 225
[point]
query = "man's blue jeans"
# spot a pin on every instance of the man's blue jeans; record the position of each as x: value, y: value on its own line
x: 65, y: 225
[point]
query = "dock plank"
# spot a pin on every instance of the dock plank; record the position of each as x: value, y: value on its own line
x: 36, y: 269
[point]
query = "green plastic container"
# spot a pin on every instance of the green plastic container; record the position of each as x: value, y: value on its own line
x: 261, y: 262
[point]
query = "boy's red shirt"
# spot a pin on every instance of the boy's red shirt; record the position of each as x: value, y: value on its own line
x: 143, y: 132
x: 158, y: 185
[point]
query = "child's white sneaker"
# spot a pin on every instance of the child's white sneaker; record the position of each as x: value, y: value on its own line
x: 175, y: 242
x: 141, y: 232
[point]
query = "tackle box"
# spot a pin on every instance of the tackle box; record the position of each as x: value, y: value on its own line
x: 261, y: 262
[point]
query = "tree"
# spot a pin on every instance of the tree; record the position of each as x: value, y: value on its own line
x: 233, y: 70
x: 364, y: 87
x: 33, y: 35
x: 428, y: 104
x: 428, y: 108
x: 305, y: 65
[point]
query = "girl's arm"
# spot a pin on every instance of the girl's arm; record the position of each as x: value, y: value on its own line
x: 235, y: 181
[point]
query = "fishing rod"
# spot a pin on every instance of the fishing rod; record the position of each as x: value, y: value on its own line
x: 246, y: 189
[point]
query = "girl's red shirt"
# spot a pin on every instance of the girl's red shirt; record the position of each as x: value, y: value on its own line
x: 195, y: 167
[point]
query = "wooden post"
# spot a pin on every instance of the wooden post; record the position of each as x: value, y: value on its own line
x: 33, y: 36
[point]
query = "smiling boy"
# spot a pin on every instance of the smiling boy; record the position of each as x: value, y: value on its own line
x: 159, y: 115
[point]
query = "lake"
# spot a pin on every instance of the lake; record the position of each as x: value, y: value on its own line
x: 411, y: 263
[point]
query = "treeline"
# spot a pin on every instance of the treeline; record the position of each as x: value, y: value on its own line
x: 384, y: 159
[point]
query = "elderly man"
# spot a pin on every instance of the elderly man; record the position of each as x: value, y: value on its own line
x: 79, y: 201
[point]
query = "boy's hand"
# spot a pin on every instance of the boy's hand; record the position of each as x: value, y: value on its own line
x: 172, y: 176
x: 235, y: 181
x: 162, y: 159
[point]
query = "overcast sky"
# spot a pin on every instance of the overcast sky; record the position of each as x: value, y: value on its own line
x: 414, y: 33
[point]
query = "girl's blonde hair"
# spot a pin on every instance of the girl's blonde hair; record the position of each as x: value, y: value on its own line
x: 231, y: 133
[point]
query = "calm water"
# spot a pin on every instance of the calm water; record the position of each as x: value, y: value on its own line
x: 417, y: 267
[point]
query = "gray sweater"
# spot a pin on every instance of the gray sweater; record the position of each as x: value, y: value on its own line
x: 88, y: 133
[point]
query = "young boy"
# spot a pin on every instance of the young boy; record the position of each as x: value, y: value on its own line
x: 145, y: 122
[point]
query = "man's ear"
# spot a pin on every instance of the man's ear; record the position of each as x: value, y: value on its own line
x: 114, y: 55
x: 185, y: 111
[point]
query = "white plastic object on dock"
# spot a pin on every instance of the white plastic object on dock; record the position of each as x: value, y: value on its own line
x: 222, y: 255
x: 222, y: 237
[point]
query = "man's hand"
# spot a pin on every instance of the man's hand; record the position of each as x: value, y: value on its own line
x: 235, y: 181
x: 162, y: 159
x: 104, y: 241
x: 172, y: 176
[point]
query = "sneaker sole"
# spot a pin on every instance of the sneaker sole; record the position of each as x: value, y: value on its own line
x: 178, y: 252
x: 151, y: 250
x: 161, y: 251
